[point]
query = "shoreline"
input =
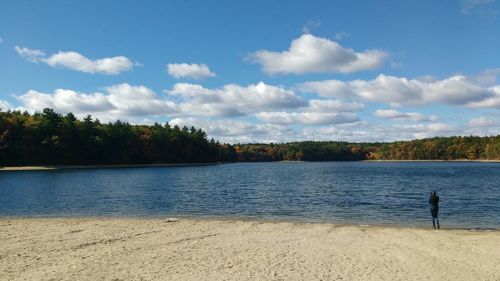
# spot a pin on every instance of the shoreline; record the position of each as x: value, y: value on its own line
x: 208, y: 218
x: 194, y: 249
x: 455, y: 160
x: 118, y: 166
x: 76, y: 167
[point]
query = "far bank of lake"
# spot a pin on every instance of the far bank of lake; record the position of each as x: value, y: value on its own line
x: 69, y: 167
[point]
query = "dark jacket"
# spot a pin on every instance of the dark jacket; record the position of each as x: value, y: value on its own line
x: 434, y: 201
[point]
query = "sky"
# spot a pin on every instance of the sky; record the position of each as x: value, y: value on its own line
x: 260, y: 71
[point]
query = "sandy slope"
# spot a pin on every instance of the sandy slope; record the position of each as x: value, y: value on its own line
x: 158, y: 249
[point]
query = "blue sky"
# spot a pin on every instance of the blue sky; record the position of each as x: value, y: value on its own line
x: 248, y: 71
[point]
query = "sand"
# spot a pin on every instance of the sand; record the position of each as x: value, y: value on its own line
x: 196, y: 249
x: 79, y: 167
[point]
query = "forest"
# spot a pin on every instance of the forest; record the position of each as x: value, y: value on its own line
x: 438, y: 148
x: 51, y: 138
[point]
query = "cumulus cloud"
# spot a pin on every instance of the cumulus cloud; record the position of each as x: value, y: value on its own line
x: 121, y: 101
x: 491, y: 101
x: 398, y: 91
x: 194, y: 71
x: 232, y: 99
x: 483, y: 122
x: 367, y: 132
x: 482, y: 126
x: 236, y: 131
x: 393, y: 114
x: 329, y: 105
x: 311, y: 54
x: 487, y: 77
x: 308, y: 118
x: 77, y: 62
x: 317, y: 112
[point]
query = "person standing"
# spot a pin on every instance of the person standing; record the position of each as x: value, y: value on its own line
x: 434, y: 205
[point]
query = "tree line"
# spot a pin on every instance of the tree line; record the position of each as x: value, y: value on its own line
x: 437, y: 148
x: 51, y: 138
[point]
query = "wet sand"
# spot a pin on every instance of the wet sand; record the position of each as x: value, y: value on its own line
x: 191, y: 249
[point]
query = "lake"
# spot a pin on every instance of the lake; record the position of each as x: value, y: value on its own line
x: 388, y: 193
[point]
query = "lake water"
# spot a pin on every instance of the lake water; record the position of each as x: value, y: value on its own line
x: 339, y: 192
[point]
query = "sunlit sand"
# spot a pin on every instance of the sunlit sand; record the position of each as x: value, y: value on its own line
x: 191, y: 249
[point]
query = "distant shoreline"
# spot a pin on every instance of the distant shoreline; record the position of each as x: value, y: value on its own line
x: 74, y: 167
x: 435, y: 160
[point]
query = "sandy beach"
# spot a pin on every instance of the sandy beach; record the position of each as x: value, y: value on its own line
x: 73, y: 167
x: 77, y: 167
x: 191, y: 249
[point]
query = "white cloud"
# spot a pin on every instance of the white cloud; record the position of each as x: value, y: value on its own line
x: 1, y: 40
x: 487, y: 77
x: 139, y: 100
x: 266, y: 113
x: 194, y: 71
x: 483, y: 122
x: 4, y: 105
x: 307, y: 118
x: 397, y: 115
x: 311, y: 54
x: 233, y: 100
x: 30, y: 54
x: 492, y: 101
x: 483, y: 126
x: 366, y: 132
x: 77, y: 62
x: 421, y: 131
x: 233, y: 131
x: 318, y: 112
x: 455, y: 90
x: 121, y: 101
x: 329, y: 105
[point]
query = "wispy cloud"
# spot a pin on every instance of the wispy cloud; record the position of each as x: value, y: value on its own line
x: 469, y: 5
x: 310, y: 25
x: 342, y: 35
x: 31, y: 55
x: 75, y: 61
